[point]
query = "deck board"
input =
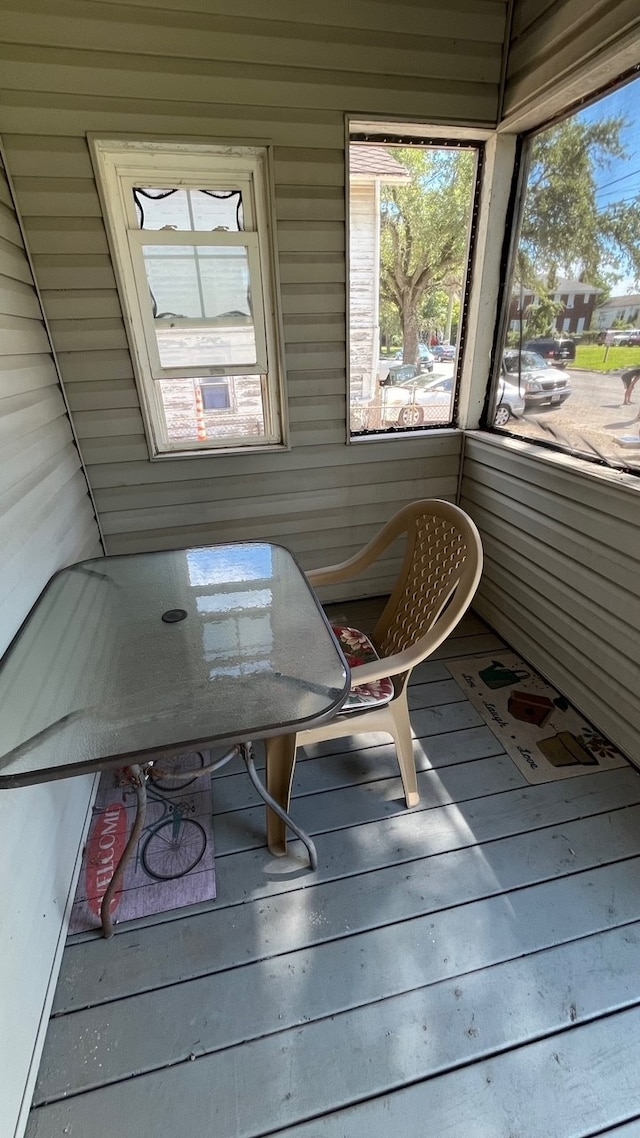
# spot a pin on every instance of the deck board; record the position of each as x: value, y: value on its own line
x: 443, y: 963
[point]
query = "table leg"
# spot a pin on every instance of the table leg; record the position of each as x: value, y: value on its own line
x: 279, y: 778
x: 138, y: 779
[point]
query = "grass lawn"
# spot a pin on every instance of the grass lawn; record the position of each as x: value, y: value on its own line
x: 593, y: 357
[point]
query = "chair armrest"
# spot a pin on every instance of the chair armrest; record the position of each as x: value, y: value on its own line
x: 353, y: 566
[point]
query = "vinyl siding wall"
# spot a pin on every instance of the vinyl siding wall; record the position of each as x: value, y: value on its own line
x: 223, y: 71
x: 555, y: 43
x: 561, y: 578
x: 46, y: 522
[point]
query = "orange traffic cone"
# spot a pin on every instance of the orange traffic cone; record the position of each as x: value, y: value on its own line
x: 201, y: 430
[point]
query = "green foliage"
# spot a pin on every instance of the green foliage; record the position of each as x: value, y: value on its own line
x: 563, y: 231
x: 423, y: 240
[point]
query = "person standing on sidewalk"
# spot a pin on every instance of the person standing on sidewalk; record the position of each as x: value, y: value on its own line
x: 629, y: 379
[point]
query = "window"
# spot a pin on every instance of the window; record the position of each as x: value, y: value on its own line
x: 412, y: 206
x: 578, y: 241
x: 190, y: 231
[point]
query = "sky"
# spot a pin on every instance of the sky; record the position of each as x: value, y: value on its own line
x: 620, y: 182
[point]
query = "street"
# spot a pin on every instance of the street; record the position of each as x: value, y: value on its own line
x: 594, y: 413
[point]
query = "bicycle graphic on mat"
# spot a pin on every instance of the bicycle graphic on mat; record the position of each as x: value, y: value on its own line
x: 173, y: 844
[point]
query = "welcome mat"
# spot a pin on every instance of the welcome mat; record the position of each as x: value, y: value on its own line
x: 544, y: 735
x: 173, y: 863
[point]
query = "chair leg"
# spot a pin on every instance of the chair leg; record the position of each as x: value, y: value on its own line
x: 403, y: 739
x: 281, y: 761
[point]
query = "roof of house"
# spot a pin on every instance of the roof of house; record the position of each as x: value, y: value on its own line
x: 630, y: 298
x: 377, y: 162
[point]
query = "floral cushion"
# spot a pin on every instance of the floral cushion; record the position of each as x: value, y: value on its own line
x: 358, y: 649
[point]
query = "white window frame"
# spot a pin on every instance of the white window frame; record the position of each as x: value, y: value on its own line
x: 122, y: 164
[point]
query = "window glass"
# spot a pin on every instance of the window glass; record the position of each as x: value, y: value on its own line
x: 574, y: 298
x: 189, y: 209
x: 411, y: 208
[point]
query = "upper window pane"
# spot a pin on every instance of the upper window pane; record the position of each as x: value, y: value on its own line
x: 189, y: 209
x: 411, y: 209
x: 571, y: 351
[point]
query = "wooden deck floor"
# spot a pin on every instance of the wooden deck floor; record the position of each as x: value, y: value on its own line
x: 467, y: 969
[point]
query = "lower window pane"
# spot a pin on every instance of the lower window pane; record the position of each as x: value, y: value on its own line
x: 206, y: 412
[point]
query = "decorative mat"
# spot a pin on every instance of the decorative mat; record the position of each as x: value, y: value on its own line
x: 540, y: 730
x: 173, y: 863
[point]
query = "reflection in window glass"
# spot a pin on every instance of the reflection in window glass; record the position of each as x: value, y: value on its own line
x: 572, y: 343
x: 411, y: 208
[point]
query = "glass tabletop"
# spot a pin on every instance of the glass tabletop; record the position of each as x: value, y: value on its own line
x: 154, y: 653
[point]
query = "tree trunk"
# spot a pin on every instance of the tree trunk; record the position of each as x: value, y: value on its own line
x: 410, y: 336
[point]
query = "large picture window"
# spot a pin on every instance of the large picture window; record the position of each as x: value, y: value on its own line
x: 569, y: 355
x: 412, y: 204
x: 190, y: 233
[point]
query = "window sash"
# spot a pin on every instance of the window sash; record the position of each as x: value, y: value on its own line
x: 139, y: 238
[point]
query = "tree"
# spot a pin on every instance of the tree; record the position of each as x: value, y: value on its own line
x: 563, y: 231
x: 424, y: 233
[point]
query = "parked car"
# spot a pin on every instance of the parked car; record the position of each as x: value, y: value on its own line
x: 444, y: 351
x: 557, y: 348
x: 540, y: 382
x: 415, y: 400
x: 629, y: 338
x: 425, y: 357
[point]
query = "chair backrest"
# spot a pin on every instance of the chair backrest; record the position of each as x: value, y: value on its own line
x: 438, y: 579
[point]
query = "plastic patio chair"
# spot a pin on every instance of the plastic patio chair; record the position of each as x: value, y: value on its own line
x: 436, y: 584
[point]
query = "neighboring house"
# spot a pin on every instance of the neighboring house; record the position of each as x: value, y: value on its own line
x: 618, y: 310
x: 370, y: 167
x: 578, y: 302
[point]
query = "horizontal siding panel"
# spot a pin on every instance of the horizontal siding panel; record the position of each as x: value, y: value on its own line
x: 40, y: 486
x: 20, y: 414
x: 32, y: 156
x: 57, y: 197
x: 92, y: 335
x: 488, y: 14
x: 9, y: 229
x: 210, y: 512
x: 312, y: 298
x: 278, y: 482
x: 18, y: 334
x: 24, y: 112
x: 103, y: 424
x: 17, y: 298
x: 74, y: 304
x: 25, y: 373
x: 102, y: 396
x: 299, y: 268
x: 14, y: 262
x: 303, y: 328
x: 63, y: 71
x: 426, y: 453
x: 74, y: 234
x: 74, y: 272
x: 326, y: 204
x: 314, y: 237
x: 254, y: 43
x: 85, y: 367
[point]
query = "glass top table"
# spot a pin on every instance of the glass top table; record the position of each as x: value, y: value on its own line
x: 132, y: 658
x: 158, y: 653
